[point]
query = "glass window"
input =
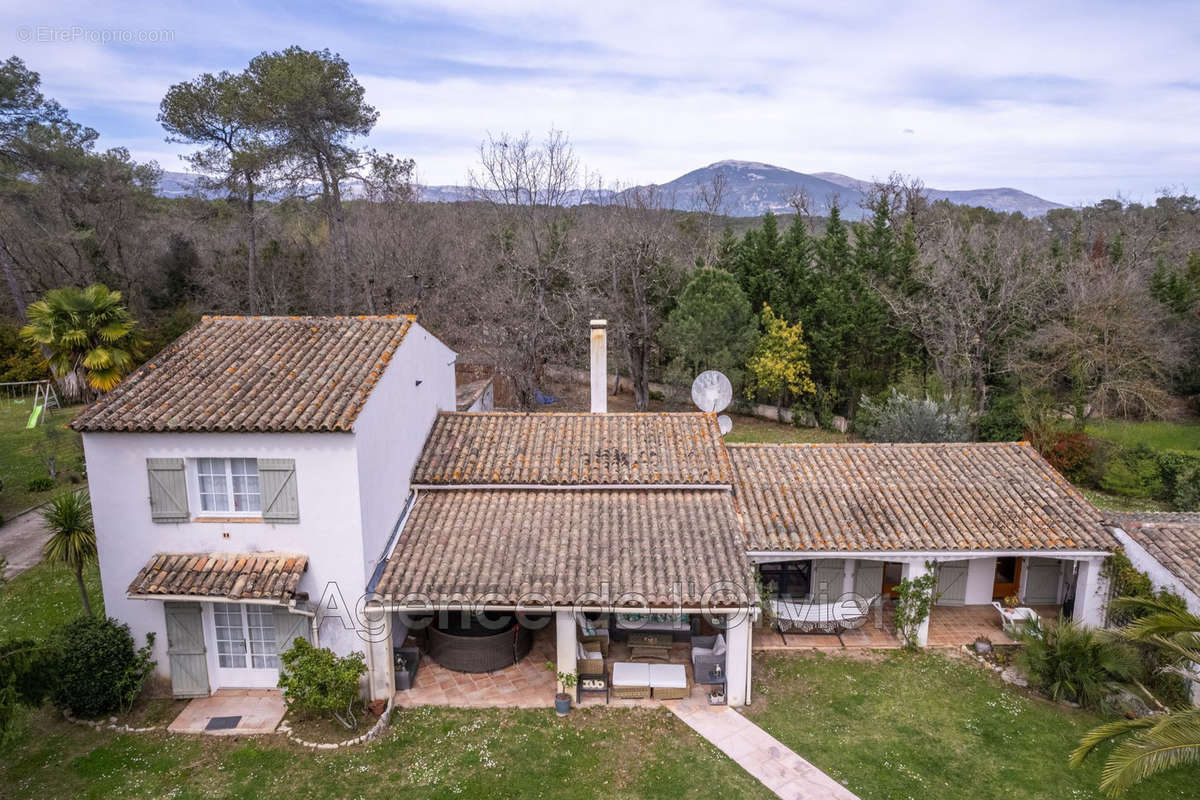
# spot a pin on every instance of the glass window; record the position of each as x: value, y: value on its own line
x: 260, y: 623
x: 244, y: 472
x: 231, y: 638
x: 214, y: 491
x: 228, y: 484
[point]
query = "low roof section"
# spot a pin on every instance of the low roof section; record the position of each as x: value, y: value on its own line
x: 531, y: 547
x: 1173, y: 539
x: 910, y: 498
x: 549, y: 449
x: 254, y: 374
x: 263, y: 577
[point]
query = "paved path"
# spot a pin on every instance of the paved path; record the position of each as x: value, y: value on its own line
x: 21, y: 541
x: 779, y: 769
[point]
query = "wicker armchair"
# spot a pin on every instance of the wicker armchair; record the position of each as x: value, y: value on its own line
x: 705, y: 656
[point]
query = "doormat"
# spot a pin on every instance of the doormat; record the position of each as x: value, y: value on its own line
x: 222, y: 723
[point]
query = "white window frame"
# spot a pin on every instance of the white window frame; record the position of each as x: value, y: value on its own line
x: 228, y: 476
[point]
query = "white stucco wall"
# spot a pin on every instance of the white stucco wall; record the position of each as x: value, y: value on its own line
x: 1160, y: 576
x: 328, y: 533
x: 391, y: 429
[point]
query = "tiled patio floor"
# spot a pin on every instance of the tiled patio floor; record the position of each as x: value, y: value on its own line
x: 949, y: 626
x: 527, y: 684
x: 260, y: 711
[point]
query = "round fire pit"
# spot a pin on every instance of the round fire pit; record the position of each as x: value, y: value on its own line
x: 476, y: 647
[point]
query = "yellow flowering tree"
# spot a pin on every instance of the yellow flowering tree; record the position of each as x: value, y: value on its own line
x: 779, y: 364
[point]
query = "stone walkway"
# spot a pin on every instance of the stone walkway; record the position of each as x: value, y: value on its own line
x: 259, y: 712
x: 21, y: 541
x: 778, y: 768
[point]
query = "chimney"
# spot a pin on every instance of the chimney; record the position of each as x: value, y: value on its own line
x: 599, y: 366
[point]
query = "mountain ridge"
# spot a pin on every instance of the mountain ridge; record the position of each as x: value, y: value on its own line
x: 751, y: 189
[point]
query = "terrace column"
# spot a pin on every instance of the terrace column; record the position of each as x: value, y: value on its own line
x: 849, y: 570
x: 381, y: 680
x: 566, y: 643
x: 1091, y: 593
x: 737, y: 658
x: 912, y: 571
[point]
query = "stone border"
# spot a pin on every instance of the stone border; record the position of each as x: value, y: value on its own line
x: 375, y: 731
x: 283, y: 728
x: 1007, y: 674
x: 111, y: 725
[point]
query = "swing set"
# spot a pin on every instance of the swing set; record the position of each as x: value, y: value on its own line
x: 40, y: 392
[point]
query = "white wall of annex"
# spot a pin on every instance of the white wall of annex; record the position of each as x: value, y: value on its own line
x: 391, y: 430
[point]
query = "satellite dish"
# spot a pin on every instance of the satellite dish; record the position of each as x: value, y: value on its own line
x: 725, y: 423
x: 712, y: 391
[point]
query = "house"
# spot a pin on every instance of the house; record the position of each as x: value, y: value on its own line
x: 994, y: 520
x: 266, y: 478
x: 250, y: 469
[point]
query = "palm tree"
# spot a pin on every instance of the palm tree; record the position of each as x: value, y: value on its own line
x: 1151, y: 744
x: 87, y: 335
x: 72, y: 536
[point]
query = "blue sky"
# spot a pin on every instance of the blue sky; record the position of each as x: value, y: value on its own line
x: 1071, y: 101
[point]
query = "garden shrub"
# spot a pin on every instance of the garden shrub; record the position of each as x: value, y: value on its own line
x: 1180, y: 474
x: 1071, y: 454
x: 29, y: 666
x: 41, y: 484
x: 317, y: 682
x: 1072, y: 662
x: 900, y: 418
x: 1002, y: 420
x: 1126, y: 580
x: 99, y: 670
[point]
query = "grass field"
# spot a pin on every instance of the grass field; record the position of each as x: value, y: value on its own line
x: 753, y: 429
x: 1157, y: 435
x: 1116, y: 502
x: 925, y: 726
x: 429, y: 753
x: 21, y: 455
x: 42, y: 598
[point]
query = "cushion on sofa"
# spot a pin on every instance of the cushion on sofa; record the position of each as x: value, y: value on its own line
x: 668, y: 676
x: 628, y: 674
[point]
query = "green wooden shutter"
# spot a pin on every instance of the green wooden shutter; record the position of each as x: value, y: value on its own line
x: 868, y: 580
x: 290, y: 627
x: 1042, y: 576
x: 185, y: 650
x: 168, y: 490
x: 828, y: 577
x: 277, y: 482
x: 952, y: 583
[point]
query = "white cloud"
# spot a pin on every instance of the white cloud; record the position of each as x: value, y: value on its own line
x: 1074, y: 103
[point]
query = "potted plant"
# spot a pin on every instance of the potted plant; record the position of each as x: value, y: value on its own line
x: 406, y: 661
x: 1012, y: 601
x: 983, y: 645
x: 562, y: 700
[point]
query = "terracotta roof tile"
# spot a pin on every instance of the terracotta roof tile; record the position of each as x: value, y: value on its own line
x: 233, y: 576
x: 254, y: 374
x: 574, y: 449
x: 556, y: 546
x: 884, y: 497
x: 1175, y: 545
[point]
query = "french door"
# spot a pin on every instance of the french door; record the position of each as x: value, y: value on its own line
x: 245, y: 650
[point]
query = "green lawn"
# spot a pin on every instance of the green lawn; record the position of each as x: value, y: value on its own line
x: 42, y: 598
x: 926, y: 726
x: 429, y: 753
x: 1158, y: 435
x: 1116, y: 502
x: 21, y: 459
x: 753, y: 429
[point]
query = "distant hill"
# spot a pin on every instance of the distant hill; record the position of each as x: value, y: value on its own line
x: 751, y: 189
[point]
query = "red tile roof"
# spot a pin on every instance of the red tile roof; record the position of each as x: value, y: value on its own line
x: 547, y: 546
x: 254, y: 374
x: 574, y: 449
x: 233, y: 576
x: 904, y: 497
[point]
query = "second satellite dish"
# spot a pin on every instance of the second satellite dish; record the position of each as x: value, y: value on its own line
x: 725, y: 422
x: 712, y: 391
